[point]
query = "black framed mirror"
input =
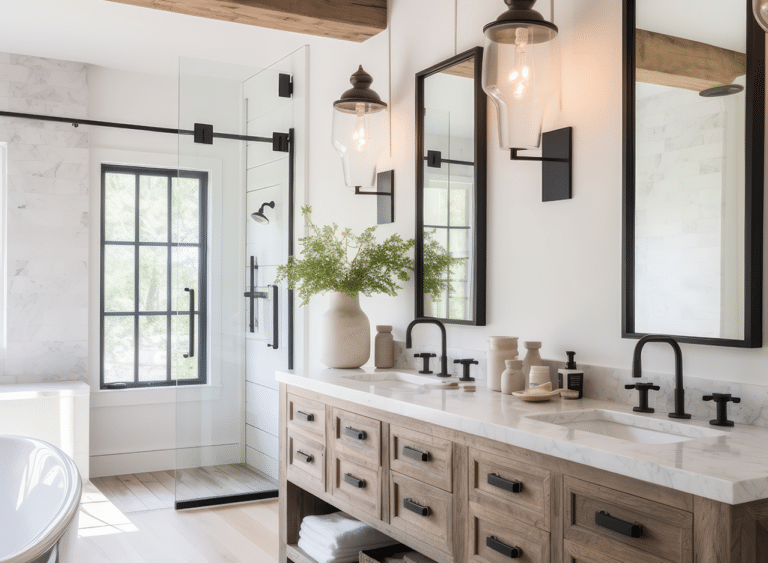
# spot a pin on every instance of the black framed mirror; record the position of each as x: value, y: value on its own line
x: 451, y: 161
x: 694, y: 111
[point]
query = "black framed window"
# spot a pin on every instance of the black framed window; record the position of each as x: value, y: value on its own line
x: 153, y: 246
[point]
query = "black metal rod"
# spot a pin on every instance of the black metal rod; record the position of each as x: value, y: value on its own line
x: 131, y: 126
x: 449, y: 161
x: 275, y: 319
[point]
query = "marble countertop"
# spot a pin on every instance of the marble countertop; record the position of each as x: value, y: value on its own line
x: 726, y: 465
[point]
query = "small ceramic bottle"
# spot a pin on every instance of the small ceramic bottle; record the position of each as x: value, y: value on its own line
x: 532, y: 357
x: 384, y: 345
x: 513, y: 378
x: 539, y: 375
x: 500, y: 349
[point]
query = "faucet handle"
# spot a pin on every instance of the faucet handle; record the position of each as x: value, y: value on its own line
x: 643, y: 389
x: 425, y: 356
x: 722, y: 400
x: 466, y: 363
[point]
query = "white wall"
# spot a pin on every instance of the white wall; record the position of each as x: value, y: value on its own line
x: 554, y: 269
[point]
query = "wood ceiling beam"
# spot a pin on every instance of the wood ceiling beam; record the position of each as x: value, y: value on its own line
x: 351, y: 20
x: 682, y: 63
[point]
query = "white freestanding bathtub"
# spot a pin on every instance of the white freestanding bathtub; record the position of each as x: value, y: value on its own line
x: 40, y: 491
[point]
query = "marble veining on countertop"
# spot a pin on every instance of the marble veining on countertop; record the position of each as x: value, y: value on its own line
x: 727, y: 465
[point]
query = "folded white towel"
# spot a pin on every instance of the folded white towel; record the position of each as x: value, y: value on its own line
x: 320, y: 552
x: 340, y: 530
x: 332, y: 545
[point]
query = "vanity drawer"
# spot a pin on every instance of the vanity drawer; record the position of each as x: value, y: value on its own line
x: 510, y: 487
x: 423, y: 457
x: 357, y: 438
x: 421, y: 511
x: 307, y: 416
x: 359, y: 486
x: 307, y: 458
x: 602, y: 519
x: 496, y: 538
x: 575, y: 553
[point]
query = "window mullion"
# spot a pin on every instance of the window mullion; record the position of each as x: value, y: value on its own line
x: 136, y: 287
x: 169, y: 306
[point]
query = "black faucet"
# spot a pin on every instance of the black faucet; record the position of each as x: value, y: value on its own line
x: 444, y: 357
x: 637, y: 370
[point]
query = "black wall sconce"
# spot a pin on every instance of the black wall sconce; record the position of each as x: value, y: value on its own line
x: 360, y: 128
x: 521, y: 75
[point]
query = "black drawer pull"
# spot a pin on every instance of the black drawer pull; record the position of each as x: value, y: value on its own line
x: 504, y: 484
x: 309, y: 417
x: 413, y: 453
x: 354, y: 481
x: 605, y: 520
x: 510, y: 551
x: 408, y: 504
x: 307, y: 458
x: 356, y: 434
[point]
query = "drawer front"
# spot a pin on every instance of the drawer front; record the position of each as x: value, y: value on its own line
x: 575, y: 553
x: 510, y: 487
x: 496, y: 538
x: 359, y: 486
x: 421, y: 511
x: 422, y: 457
x: 307, y: 457
x: 307, y: 416
x: 603, y: 520
x: 357, y: 438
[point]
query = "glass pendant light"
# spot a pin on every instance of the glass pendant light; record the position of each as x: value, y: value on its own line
x: 760, y: 9
x: 360, y: 130
x: 521, y: 72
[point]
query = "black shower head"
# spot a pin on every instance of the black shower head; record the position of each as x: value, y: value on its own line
x: 259, y: 216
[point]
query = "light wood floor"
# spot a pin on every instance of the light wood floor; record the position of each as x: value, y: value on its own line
x: 245, y: 532
x: 157, y: 490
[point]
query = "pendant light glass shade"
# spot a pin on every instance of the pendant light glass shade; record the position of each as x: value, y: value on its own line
x: 760, y: 9
x: 521, y: 72
x: 360, y: 128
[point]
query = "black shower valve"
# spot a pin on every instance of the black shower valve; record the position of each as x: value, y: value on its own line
x: 425, y: 356
x: 721, y: 400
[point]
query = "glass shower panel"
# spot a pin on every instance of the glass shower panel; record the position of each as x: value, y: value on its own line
x: 231, y: 330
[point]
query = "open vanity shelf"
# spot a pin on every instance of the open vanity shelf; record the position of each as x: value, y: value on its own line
x: 486, y: 501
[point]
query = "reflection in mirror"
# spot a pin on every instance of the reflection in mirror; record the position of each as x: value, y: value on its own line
x: 692, y: 184
x: 451, y: 192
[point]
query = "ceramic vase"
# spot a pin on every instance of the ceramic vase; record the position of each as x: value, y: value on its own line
x: 345, y: 336
x: 500, y: 349
x: 513, y: 378
x: 539, y: 375
x: 384, y: 347
x: 532, y: 357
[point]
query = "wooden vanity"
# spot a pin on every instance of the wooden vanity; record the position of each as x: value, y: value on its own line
x: 456, y: 497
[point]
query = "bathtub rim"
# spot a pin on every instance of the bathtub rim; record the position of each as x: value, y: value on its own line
x: 49, y: 536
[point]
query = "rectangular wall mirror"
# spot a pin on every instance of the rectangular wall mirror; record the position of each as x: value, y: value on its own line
x: 694, y: 105
x: 451, y: 157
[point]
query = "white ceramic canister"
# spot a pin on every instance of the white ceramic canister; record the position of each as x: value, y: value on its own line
x: 513, y: 378
x: 532, y: 356
x: 500, y: 349
x: 539, y: 376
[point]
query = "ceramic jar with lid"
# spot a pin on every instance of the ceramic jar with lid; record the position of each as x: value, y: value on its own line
x: 500, y: 349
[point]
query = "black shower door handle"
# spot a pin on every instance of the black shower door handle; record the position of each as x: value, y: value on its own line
x: 191, y: 323
x: 275, y: 319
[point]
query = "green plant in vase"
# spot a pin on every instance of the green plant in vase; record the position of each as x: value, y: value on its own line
x: 346, y: 265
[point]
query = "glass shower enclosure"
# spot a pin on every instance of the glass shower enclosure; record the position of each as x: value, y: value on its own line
x: 232, y: 226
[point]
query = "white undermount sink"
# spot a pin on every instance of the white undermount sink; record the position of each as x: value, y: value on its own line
x: 395, y: 380
x: 629, y: 427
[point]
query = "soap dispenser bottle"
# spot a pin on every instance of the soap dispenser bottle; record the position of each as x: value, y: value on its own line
x: 571, y: 377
